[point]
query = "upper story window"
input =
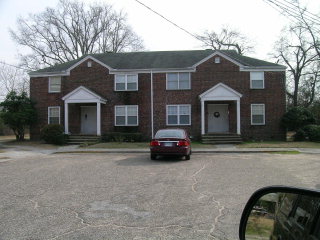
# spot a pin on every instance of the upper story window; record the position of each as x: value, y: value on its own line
x: 53, y: 115
x: 257, y: 80
x: 178, y: 81
x: 126, y: 82
x: 257, y: 114
x: 178, y: 114
x: 54, y: 84
x: 126, y: 115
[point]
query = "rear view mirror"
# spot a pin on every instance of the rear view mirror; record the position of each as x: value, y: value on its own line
x: 281, y: 213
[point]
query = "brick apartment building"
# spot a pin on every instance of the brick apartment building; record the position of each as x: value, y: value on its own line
x: 202, y: 91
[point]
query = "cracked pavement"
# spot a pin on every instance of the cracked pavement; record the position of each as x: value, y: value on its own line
x: 128, y: 196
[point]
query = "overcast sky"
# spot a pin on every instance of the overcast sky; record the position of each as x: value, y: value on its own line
x: 254, y: 18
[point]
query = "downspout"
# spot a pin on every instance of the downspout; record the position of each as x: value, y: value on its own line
x: 151, y: 95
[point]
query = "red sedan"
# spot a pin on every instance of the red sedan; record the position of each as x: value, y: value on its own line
x: 171, y: 142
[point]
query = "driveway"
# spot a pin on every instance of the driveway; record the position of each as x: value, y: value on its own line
x: 128, y: 196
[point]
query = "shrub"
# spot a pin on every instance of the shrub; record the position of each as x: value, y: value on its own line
x: 122, y: 137
x: 297, y: 118
x: 314, y: 133
x: 53, y: 133
x: 300, y: 135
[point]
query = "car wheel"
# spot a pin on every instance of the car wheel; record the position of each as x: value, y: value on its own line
x: 153, y: 156
x: 187, y: 157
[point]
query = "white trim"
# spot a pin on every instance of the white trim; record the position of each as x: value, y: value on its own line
x: 95, y: 97
x: 263, y: 85
x: 178, y: 82
x: 263, y: 69
x: 239, y: 95
x: 66, y: 118
x: 49, y: 113
x: 49, y: 84
x: 126, y: 82
x: 178, y: 114
x: 126, y: 116
x: 264, y: 114
x: 238, y: 118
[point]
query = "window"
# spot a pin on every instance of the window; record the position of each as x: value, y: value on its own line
x: 54, y: 84
x: 257, y: 114
x: 126, y: 82
x: 126, y: 115
x: 257, y: 80
x: 53, y: 115
x: 178, y: 81
x: 178, y: 114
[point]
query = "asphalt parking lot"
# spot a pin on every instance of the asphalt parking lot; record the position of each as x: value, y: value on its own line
x: 129, y: 196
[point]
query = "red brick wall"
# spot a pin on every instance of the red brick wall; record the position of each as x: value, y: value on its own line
x: 207, y: 75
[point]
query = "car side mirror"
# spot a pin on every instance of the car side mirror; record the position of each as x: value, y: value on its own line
x: 281, y: 213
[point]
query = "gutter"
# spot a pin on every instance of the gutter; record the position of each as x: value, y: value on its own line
x: 151, y: 96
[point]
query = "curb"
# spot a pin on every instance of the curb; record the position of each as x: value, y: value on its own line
x: 193, y: 151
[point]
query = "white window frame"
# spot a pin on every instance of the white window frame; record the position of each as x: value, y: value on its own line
x: 49, y: 84
x: 126, y: 115
x: 251, y: 79
x: 126, y: 82
x: 178, y: 81
x: 264, y: 113
x: 49, y: 113
x: 178, y: 114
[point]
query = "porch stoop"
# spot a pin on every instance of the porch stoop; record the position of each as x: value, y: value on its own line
x: 80, y: 139
x: 221, y: 138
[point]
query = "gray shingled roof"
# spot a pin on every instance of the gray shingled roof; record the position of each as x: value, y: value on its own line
x: 158, y: 60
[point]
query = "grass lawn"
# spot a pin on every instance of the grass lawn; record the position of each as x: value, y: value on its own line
x: 140, y: 145
x: 279, y: 144
x: 11, y: 141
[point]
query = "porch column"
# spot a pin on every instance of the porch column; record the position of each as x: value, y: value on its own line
x: 238, y: 117
x: 66, y: 118
x: 202, y: 118
x: 98, y: 118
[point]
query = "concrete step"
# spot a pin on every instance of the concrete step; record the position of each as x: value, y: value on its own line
x: 221, y: 138
x: 80, y: 139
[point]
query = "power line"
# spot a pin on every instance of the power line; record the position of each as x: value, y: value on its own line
x: 297, y: 11
x: 297, y: 6
x: 168, y: 20
x: 290, y: 11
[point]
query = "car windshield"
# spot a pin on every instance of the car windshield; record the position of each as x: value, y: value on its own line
x: 170, y: 134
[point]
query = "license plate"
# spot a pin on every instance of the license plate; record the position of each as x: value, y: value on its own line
x: 168, y: 144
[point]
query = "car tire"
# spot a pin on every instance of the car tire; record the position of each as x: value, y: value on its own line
x: 187, y: 157
x: 153, y: 156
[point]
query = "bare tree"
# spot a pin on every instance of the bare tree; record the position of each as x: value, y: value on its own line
x: 294, y: 51
x: 227, y: 39
x: 310, y: 85
x: 72, y: 30
x: 12, y: 79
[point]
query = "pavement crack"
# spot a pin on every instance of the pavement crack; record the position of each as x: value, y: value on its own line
x: 194, y: 178
x: 221, y: 208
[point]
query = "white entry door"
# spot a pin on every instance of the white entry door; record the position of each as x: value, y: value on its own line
x: 89, y: 120
x: 218, y: 118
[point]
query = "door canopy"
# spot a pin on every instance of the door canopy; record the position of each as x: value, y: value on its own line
x: 220, y: 92
x: 83, y: 95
